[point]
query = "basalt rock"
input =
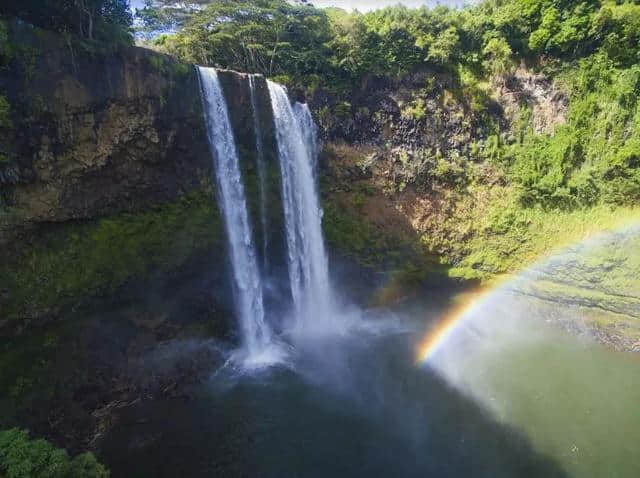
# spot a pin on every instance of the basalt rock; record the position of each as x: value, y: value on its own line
x: 97, y: 133
x: 106, y: 172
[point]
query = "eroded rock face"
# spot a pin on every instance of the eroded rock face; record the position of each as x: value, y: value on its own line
x: 428, y: 122
x: 106, y: 173
x: 97, y: 134
x: 548, y: 103
x: 411, y: 112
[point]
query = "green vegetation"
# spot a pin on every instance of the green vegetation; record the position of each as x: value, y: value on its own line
x: 6, y: 126
x: 265, y: 36
x: 22, y: 457
x: 594, y: 158
x: 83, y: 260
x: 157, y: 16
x: 92, y: 21
x: 380, y: 248
x: 516, y: 192
x: 590, y: 48
x: 5, y: 113
x: 488, y: 232
x: 371, y: 246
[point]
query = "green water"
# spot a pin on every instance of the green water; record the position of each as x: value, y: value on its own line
x: 575, y: 400
x: 579, y: 403
x: 358, y: 405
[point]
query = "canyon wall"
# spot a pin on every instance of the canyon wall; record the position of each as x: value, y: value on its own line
x: 414, y: 193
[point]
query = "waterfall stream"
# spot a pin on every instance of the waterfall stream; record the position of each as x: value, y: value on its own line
x: 308, y: 269
x: 307, y: 258
x: 231, y: 195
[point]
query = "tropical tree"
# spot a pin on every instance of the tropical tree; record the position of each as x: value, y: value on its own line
x: 264, y: 36
x: 89, y: 19
x: 158, y: 16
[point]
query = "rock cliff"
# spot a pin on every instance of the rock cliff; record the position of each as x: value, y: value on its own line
x: 106, y: 173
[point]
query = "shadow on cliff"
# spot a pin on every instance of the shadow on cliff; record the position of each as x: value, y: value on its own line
x: 153, y: 338
x: 376, y: 249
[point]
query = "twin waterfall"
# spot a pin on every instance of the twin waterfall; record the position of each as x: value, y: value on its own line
x: 307, y: 263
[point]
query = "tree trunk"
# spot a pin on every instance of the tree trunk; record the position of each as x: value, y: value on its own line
x: 90, y: 29
x: 273, y: 54
x: 84, y: 7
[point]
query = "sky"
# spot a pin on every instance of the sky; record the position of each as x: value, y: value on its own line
x: 366, y: 5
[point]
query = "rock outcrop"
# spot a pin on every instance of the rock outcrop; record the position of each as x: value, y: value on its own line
x: 111, y: 242
x: 96, y: 133
x: 548, y: 104
x: 106, y: 172
x: 596, y: 280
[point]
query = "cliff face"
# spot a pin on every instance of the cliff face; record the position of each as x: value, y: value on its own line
x: 395, y: 157
x: 111, y: 241
x: 97, y: 134
x: 410, y: 187
x: 415, y: 157
x: 106, y: 173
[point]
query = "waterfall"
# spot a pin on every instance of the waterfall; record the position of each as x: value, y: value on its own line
x: 231, y: 195
x: 307, y: 258
x: 262, y: 172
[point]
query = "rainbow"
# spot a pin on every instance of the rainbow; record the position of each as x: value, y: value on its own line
x: 439, y: 334
x: 472, y: 301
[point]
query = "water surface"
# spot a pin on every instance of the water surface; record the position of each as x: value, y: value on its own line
x: 359, y: 405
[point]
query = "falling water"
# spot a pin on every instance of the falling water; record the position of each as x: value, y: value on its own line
x: 308, y: 265
x: 246, y: 274
x: 262, y: 173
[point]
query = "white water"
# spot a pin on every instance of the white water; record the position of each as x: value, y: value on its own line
x: 307, y: 258
x: 262, y: 173
x: 314, y: 309
x: 248, y: 300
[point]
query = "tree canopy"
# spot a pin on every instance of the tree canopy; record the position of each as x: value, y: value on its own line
x: 99, y: 20
x: 158, y: 16
x: 593, y: 46
x: 265, y: 36
x: 278, y: 37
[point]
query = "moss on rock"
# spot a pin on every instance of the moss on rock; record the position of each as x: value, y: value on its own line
x: 70, y: 262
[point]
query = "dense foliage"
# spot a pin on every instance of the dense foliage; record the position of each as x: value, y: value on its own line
x: 93, y: 20
x: 596, y: 155
x: 591, y: 48
x: 263, y: 36
x: 157, y: 16
x: 21, y: 457
x: 395, y: 40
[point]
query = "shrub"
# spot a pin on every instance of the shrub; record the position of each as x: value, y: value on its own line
x: 21, y: 457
